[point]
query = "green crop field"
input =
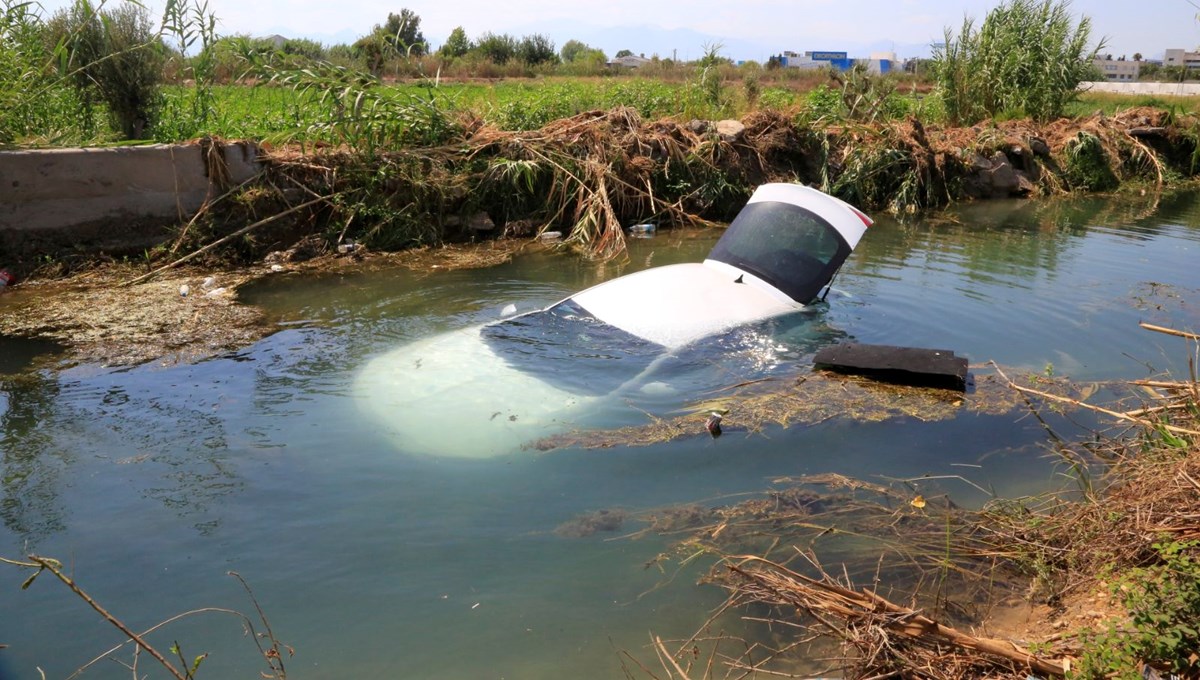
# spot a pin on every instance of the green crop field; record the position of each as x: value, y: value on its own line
x: 272, y: 111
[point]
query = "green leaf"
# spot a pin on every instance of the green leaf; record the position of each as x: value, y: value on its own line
x: 29, y: 581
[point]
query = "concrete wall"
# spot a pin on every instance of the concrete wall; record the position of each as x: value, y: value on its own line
x: 1157, y: 89
x: 95, y: 197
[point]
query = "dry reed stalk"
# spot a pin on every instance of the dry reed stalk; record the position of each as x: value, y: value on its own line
x: 1170, y: 331
x: 858, y: 616
x: 225, y: 239
x: 1098, y: 409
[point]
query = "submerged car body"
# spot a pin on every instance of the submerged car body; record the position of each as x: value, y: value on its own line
x: 490, y: 389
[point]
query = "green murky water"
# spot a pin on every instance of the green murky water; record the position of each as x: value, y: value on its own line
x: 152, y: 483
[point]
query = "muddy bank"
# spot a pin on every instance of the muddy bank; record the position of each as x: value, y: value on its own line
x: 99, y: 316
x: 591, y: 176
x: 171, y: 319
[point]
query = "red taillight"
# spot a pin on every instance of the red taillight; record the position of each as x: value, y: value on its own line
x: 867, y: 221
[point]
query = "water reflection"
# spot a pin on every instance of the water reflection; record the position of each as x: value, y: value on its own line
x: 32, y: 458
x: 175, y: 454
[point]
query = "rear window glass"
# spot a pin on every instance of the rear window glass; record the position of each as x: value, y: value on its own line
x: 790, y: 247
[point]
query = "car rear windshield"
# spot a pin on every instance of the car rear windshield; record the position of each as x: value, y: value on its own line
x: 789, y: 247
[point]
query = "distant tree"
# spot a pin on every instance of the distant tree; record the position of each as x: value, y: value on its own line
x: 572, y: 49
x: 1137, y: 56
x: 582, y: 58
x: 498, y: 48
x: 399, y: 36
x: 114, y: 56
x: 537, y: 49
x: 457, y: 44
x: 624, y: 53
x: 303, y: 47
x: 403, y: 31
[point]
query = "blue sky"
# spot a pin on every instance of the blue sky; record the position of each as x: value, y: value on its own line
x: 749, y: 29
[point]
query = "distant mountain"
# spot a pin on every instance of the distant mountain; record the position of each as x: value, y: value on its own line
x: 343, y: 37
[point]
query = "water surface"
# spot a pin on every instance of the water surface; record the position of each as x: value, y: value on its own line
x: 151, y: 483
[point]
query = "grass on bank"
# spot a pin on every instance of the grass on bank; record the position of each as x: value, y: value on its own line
x: 275, y: 113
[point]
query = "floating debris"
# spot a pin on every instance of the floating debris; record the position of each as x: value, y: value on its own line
x: 811, y: 399
x: 591, y: 523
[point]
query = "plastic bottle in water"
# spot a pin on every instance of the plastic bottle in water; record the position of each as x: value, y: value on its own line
x: 644, y: 229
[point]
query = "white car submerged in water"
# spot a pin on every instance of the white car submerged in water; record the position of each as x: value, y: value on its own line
x: 491, y: 389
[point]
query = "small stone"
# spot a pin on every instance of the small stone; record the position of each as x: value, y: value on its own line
x: 731, y: 131
x: 1003, y: 176
x: 1025, y: 186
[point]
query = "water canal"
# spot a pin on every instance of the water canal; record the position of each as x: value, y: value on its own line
x: 150, y: 483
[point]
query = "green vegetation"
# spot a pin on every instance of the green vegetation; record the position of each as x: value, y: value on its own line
x: 97, y: 64
x: 95, y: 71
x: 112, y: 56
x: 23, y: 60
x: 1162, y: 603
x: 386, y: 102
x: 1026, y: 59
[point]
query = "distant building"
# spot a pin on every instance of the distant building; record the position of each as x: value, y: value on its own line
x: 1181, y: 58
x: 878, y: 62
x: 1118, y: 69
x: 814, y: 60
x: 629, y: 61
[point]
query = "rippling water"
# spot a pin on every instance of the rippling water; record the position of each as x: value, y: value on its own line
x: 151, y: 483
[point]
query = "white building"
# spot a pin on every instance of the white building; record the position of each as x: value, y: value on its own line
x: 1182, y: 58
x: 1118, y: 70
x: 630, y: 61
x: 877, y: 63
